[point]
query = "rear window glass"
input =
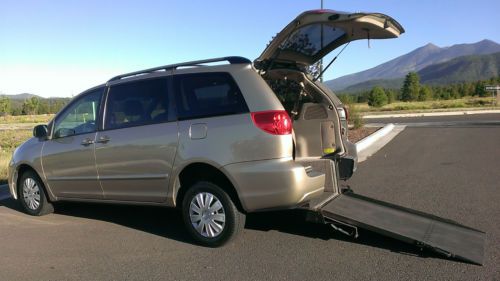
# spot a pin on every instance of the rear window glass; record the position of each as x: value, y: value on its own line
x: 138, y: 103
x: 307, y: 40
x: 207, y: 94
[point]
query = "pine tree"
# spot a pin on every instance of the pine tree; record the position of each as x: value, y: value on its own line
x: 411, y: 87
x: 30, y: 106
x: 480, y: 89
x: 5, y: 106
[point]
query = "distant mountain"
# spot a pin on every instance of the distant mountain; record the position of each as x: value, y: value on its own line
x: 395, y: 83
x: 415, y: 60
x: 21, y: 96
x: 461, y: 69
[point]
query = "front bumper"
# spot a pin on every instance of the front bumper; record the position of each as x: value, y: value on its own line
x: 274, y: 184
x: 12, y: 179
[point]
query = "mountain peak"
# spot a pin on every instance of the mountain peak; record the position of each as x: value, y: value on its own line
x: 415, y: 60
x: 430, y: 46
x: 487, y: 42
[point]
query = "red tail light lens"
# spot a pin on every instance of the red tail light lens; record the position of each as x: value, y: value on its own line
x: 275, y: 122
x: 346, y: 112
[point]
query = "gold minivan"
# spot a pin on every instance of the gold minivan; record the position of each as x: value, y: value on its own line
x: 211, y: 137
x: 219, y: 138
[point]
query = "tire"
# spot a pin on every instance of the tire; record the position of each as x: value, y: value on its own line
x: 32, y: 196
x: 206, y: 226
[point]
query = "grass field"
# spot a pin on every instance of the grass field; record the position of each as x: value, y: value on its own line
x: 43, y: 118
x: 15, y: 135
x: 466, y: 102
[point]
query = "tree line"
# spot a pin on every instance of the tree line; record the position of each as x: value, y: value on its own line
x: 412, y: 90
x: 31, y: 106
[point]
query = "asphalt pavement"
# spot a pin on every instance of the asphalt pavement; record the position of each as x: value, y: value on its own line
x: 4, y: 192
x: 452, y: 172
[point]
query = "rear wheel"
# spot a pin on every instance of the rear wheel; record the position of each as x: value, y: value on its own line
x: 32, y: 195
x: 210, y: 216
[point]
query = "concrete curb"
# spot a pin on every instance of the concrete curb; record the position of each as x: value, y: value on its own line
x: 373, y: 143
x: 371, y: 139
x: 423, y: 114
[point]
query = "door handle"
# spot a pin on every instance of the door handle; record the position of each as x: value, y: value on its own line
x: 87, y: 141
x: 103, y: 139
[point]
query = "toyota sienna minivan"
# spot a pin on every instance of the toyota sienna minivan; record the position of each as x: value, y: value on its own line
x: 216, y: 138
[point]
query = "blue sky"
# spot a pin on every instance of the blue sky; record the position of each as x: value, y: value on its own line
x: 60, y: 47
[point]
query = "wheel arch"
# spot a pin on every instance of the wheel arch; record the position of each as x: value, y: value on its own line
x: 200, y: 171
x: 21, y: 169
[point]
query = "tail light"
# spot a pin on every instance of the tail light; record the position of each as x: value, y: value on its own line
x: 346, y: 113
x: 343, y: 112
x: 275, y: 122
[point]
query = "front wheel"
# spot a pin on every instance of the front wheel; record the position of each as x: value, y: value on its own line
x: 210, y: 216
x: 32, y: 195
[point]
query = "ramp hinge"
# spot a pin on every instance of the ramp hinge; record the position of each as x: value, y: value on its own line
x: 344, y: 228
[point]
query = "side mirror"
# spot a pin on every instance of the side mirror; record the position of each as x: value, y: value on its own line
x: 40, y: 131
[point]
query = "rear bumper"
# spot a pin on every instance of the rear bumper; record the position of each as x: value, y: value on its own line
x: 274, y: 184
x: 348, y: 162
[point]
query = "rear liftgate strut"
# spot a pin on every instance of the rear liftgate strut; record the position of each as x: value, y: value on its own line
x: 349, y: 211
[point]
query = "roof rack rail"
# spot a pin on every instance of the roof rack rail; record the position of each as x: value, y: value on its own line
x: 231, y: 60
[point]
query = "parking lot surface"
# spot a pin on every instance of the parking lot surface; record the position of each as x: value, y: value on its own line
x: 449, y: 171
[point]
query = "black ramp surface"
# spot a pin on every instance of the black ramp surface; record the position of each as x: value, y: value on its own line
x: 444, y: 236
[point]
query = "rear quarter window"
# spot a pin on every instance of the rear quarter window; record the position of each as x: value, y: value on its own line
x: 207, y: 94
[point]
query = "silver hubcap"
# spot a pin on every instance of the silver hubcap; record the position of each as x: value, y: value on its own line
x: 31, y: 193
x: 207, y: 215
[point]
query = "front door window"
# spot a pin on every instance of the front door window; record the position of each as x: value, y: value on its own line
x: 80, y: 117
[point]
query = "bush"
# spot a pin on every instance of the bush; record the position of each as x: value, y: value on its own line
x: 425, y: 93
x: 391, y: 96
x: 377, y: 97
x: 355, y: 117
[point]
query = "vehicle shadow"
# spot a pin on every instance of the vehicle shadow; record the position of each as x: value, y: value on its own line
x: 294, y: 222
x: 167, y: 222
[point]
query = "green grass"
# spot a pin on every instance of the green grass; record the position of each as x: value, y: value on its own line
x: 467, y: 102
x: 9, y: 140
x: 15, y: 136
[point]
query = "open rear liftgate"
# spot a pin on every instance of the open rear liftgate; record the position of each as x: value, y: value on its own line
x: 348, y: 211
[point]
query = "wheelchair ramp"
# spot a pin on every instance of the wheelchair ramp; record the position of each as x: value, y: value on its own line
x: 414, y: 227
